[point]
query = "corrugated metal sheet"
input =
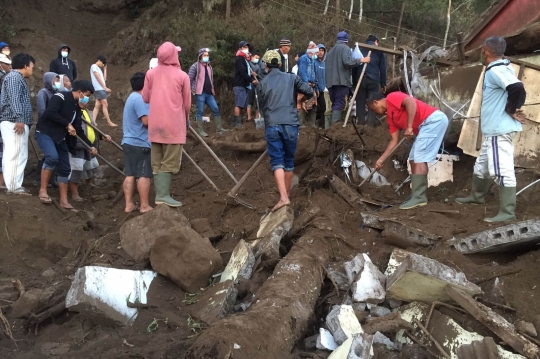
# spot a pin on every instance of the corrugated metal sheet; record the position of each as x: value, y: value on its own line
x: 480, y: 349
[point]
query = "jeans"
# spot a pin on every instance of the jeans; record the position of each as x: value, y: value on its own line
x: 281, y: 142
x: 337, y: 96
x: 56, y: 156
x: 206, y: 99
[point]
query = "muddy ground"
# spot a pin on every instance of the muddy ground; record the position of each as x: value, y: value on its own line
x: 43, y: 248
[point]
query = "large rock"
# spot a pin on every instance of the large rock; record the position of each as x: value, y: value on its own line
x: 101, y: 294
x: 185, y: 257
x: 138, y: 235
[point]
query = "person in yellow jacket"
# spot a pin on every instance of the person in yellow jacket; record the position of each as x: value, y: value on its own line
x: 84, y: 164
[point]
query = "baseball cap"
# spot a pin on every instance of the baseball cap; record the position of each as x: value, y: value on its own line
x: 242, y: 44
x: 4, y: 59
x: 271, y: 55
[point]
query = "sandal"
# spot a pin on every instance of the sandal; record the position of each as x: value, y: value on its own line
x: 21, y: 192
x: 45, y: 200
x: 80, y: 199
x: 70, y: 209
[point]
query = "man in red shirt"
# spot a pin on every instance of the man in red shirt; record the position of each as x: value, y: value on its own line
x: 416, y: 118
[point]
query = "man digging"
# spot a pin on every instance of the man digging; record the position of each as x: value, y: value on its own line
x: 416, y: 118
x: 278, y: 103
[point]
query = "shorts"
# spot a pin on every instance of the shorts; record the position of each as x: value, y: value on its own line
x: 240, y: 96
x: 281, y: 143
x: 250, y: 97
x: 137, y: 161
x: 430, y: 136
x: 100, y: 95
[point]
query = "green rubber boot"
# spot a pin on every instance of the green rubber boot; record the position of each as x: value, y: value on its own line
x: 479, y: 189
x: 327, y: 121
x: 336, y: 116
x: 302, y: 118
x: 219, y: 125
x: 419, y: 188
x: 507, y: 205
x: 201, y: 128
x: 313, y: 119
x: 162, y: 182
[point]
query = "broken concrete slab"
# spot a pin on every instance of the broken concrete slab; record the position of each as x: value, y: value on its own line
x: 215, y: 302
x: 395, y: 230
x: 185, y: 257
x: 343, y: 323
x: 396, y: 258
x: 358, y: 346
x: 380, y: 338
x: 325, y: 340
x: 336, y: 273
x: 101, y: 294
x: 425, y: 279
x: 273, y: 227
x: 480, y: 349
x: 444, y: 329
x: 517, y: 236
x: 494, y: 322
x: 241, y: 263
x: 370, y: 282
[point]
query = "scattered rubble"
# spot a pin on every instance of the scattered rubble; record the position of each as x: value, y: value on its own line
x: 102, y: 294
x: 185, y: 257
x: 343, y: 323
x: 241, y: 263
x: 480, y: 349
x: 215, y: 302
x: 517, y: 236
x: 273, y: 227
x: 325, y: 340
x: 425, y: 279
x: 358, y: 346
x: 380, y: 338
x: 394, y: 230
x: 367, y: 281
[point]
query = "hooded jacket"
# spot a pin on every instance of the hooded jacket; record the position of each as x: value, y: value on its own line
x: 45, y: 94
x: 339, y: 63
x: 63, y: 88
x: 167, y: 90
x: 197, y: 84
x: 320, y: 71
x: 64, y: 66
x: 241, y: 75
x: 376, y: 68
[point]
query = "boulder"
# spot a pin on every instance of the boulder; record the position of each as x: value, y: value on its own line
x: 185, y: 257
x: 138, y: 235
x: 202, y: 226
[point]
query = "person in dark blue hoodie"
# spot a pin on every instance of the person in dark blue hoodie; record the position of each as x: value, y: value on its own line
x: 374, y: 81
x: 62, y: 65
x: 320, y: 73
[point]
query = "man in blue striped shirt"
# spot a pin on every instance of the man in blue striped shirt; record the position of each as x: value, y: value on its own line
x: 15, y: 122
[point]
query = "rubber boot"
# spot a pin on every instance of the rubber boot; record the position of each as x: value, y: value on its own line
x: 479, y: 189
x: 327, y: 121
x: 201, y: 128
x: 507, y: 205
x: 219, y: 125
x: 302, y: 118
x: 336, y: 116
x: 162, y: 182
x: 313, y: 119
x: 418, y: 196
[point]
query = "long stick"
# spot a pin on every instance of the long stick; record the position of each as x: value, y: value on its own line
x: 356, y: 92
x: 199, y: 169
x: 100, y: 156
x: 232, y: 193
x: 103, y: 134
x: 359, y: 135
x: 389, y: 155
x: 213, y: 154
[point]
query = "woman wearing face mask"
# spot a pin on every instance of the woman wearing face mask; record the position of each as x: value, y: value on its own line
x: 202, y: 86
x: 56, y: 133
x: 52, y: 85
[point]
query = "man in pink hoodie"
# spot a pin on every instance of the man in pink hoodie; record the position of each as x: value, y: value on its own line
x: 167, y: 90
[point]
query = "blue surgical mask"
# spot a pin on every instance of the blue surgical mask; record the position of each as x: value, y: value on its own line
x: 84, y: 100
x: 255, y: 61
x: 57, y: 86
x: 205, y: 59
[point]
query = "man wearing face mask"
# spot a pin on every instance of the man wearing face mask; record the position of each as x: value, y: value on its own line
x: 243, y: 80
x: 500, y: 120
x: 5, y: 68
x: 201, y: 78
x: 256, y: 68
x: 4, y: 49
x: 51, y: 85
x: 56, y: 133
x: 62, y: 65
x: 306, y: 71
x: 15, y: 122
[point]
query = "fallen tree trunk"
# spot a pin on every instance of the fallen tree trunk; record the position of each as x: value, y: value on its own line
x: 238, y: 146
x: 281, y: 311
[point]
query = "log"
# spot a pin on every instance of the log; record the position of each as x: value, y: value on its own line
x: 238, y: 146
x: 282, y: 312
x: 305, y: 217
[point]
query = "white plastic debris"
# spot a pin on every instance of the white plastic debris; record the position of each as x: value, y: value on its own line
x: 377, y: 179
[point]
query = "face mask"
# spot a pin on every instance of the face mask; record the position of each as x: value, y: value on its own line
x: 84, y: 100
x: 205, y: 59
x: 256, y: 61
x: 65, y: 54
x: 6, y: 52
x: 57, y: 86
x: 246, y: 51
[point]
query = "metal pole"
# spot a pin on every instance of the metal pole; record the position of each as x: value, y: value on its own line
x: 100, y: 156
x: 103, y: 134
x: 199, y: 169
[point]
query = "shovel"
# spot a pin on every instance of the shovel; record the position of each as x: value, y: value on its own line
x: 259, y: 121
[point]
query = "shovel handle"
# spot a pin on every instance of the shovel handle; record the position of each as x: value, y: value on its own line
x: 389, y: 155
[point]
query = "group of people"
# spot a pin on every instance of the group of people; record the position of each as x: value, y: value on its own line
x: 156, y: 117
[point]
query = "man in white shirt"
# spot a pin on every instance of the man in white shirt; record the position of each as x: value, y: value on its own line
x: 98, y: 74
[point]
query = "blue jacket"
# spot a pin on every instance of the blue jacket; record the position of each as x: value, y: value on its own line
x: 376, y: 69
x: 306, y: 69
x: 320, y: 71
